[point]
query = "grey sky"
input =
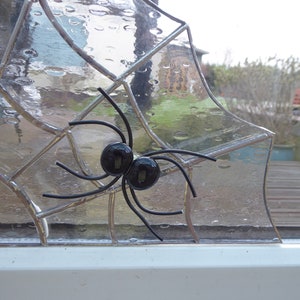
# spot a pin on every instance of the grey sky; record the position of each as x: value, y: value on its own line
x: 232, y: 30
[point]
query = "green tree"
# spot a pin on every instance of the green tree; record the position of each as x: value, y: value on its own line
x: 261, y: 92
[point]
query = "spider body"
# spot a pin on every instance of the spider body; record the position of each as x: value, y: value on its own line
x: 117, y: 160
x: 141, y: 173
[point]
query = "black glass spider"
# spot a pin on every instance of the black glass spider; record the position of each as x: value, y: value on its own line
x: 139, y: 173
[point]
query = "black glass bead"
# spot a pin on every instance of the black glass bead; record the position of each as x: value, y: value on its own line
x: 143, y: 173
x: 116, y: 158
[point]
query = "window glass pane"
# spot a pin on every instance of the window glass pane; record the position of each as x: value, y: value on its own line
x: 65, y: 143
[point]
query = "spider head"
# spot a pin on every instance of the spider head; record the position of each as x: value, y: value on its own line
x: 116, y: 159
x: 143, y: 173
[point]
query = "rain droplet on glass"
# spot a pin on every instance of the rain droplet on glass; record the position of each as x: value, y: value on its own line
x: 37, y: 13
x: 99, y: 28
x: 218, y: 139
x: 139, y: 52
x: 154, y: 81
x: 23, y: 81
x: 156, y: 31
x: 154, y: 14
x: 29, y: 53
x: 129, y: 28
x: 56, y: 72
x: 97, y: 10
x: 57, y: 13
x: 12, y: 70
x: 75, y: 22
x: 181, y: 136
x: 128, y: 12
x: 142, y: 70
x: 113, y: 27
x: 70, y: 9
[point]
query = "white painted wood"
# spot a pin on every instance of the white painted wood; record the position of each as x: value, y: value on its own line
x: 156, y: 272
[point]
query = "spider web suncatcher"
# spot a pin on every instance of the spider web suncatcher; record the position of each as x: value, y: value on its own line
x: 58, y: 54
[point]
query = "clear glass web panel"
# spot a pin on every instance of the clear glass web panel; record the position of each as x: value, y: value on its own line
x: 45, y: 77
x: 178, y: 109
x: 50, y: 75
x: 115, y: 34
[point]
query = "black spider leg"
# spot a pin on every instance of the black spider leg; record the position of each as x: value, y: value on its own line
x: 152, y: 212
x: 135, y: 210
x: 129, y: 131
x: 163, y: 213
x: 130, y: 144
x: 122, y: 115
x: 85, y: 122
x: 100, y: 189
x: 177, y: 164
x: 90, y: 193
x: 179, y: 151
x: 181, y: 169
x: 85, y: 177
x: 138, y: 203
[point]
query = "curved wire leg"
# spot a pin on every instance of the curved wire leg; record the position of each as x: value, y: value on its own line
x: 95, y: 122
x: 188, y: 211
x: 73, y: 196
x: 85, y: 177
x: 136, y: 211
x: 153, y: 212
x: 181, y: 169
x: 179, y: 151
x: 103, y: 123
x: 122, y: 115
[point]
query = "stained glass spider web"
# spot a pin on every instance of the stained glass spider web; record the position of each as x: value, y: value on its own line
x: 144, y: 59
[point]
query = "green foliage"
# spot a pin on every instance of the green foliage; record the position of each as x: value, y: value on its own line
x: 172, y: 108
x: 261, y: 92
x: 175, y: 118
